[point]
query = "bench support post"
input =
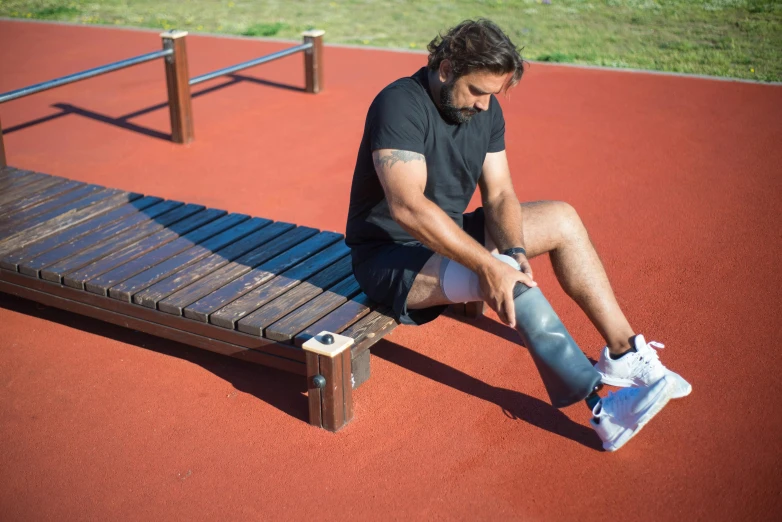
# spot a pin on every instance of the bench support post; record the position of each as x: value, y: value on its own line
x: 329, y: 380
x: 178, y: 83
x: 3, y: 162
x: 313, y: 61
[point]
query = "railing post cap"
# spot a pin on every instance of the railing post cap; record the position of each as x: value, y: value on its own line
x: 313, y: 33
x: 173, y: 34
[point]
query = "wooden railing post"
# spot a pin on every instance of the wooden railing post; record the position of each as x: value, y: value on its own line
x: 313, y: 61
x: 3, y: 163
x: 178, y: 83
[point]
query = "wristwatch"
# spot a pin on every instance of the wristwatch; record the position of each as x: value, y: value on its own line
x: 514, y: 251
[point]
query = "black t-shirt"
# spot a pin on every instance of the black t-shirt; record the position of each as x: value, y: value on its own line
x: 404, y: 116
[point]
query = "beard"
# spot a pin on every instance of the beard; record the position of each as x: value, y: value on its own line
x: 450, y: 111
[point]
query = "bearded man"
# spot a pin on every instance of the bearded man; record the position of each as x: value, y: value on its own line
x: 429, y: 141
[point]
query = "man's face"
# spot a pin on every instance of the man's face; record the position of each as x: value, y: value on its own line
x: 470, y: 94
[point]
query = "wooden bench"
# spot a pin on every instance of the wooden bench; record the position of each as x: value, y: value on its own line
x: 243, y: 286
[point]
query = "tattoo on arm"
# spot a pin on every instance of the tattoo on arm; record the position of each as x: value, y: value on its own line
x: 395, y: 156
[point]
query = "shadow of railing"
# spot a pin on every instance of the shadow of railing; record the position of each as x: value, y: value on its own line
x: 124, y: 122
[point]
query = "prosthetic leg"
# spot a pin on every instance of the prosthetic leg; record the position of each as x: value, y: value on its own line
x: 566, y: 372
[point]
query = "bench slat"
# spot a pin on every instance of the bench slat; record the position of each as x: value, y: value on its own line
x: 87, y: 246
x: 339, y: 319
x: 72, y: 215
x: 286, y: 328
x: 256, y: 322
x: 101, y: 284
x: 201, y: 309
x: 8, y: 174
x: 78, y: 278
x: 151, y: 296
x: 369, y: 330
x: 227, y: 316
x: 124, y: 291
x: 13, y: 211
x: 68, y: 236
x: 83, y: 252
x: 18, y: 190
x: 176, y: 303
x: 54, y: 207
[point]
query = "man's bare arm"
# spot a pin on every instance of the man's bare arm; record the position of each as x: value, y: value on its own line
x: 501, y: 206
x: 403, y: 176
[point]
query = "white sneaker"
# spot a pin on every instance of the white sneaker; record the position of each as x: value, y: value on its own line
x: 640, y: 368
x: 621, y: 415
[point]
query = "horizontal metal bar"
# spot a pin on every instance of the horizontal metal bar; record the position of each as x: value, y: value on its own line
x: 251, y: 63
x: 83, y: 75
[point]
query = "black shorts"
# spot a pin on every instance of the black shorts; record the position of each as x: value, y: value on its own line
x: 386, y: 271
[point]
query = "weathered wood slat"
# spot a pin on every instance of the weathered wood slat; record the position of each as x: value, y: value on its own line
x: 83, y: 197
x: 256, y: 322
x: 150, y: 297
x: 79, y: 278
x: 125, y: 290
x: 176, y: 303
x: 201, y: 309
x: 70, y: 217
x: 14, y: 210
x: 22, y: 188
x: 337, y: 320
x: 70, y: 235
x: 95, y: 246
x: 102, y: 283
x: 52, y: 208
x: 227, y: 316
x: 286, y: 328
x: 12, y: 173
x: 369, y: 330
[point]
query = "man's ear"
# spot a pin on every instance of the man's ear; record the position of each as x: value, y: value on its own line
x: 445, y: 71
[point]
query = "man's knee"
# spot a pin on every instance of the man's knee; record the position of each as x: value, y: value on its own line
x: 568, y: 221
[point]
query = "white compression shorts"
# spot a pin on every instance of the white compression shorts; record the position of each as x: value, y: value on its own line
x: 460, y: 284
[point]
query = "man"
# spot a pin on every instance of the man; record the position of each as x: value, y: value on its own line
x: 428, y: 142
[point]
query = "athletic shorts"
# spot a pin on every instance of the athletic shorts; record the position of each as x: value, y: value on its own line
x: 386, y: 271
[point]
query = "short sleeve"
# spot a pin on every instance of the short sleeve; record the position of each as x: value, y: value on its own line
x: 396, y: 121
x: 497, y: 140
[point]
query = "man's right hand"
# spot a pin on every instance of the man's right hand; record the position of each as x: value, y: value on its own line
x: 497, y: 280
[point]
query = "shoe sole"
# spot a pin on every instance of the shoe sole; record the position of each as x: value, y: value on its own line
x: 627, y: 383
x: 629, y: 433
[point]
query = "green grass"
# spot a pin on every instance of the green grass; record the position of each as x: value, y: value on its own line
x: 737, y: 38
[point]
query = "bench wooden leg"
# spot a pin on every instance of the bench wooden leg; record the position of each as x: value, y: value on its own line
x: 472, y: 310
x: 329, y: 380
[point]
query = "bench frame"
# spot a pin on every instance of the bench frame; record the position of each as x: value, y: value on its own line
x: 330, y: 379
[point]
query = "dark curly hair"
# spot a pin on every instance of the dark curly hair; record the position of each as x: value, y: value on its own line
x: 477, y: 45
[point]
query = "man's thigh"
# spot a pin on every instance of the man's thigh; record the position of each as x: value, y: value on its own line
x: 542, y: 223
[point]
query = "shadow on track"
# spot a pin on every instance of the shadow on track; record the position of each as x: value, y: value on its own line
x: 123, y: 121
x: 514, y: 404
x: 275, y: 387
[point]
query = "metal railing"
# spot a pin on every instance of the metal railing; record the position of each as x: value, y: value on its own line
x: 174, y: 53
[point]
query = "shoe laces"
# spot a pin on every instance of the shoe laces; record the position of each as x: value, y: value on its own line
x: 648, y: 362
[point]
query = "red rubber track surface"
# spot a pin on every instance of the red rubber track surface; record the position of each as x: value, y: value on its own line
x: 678, y: 180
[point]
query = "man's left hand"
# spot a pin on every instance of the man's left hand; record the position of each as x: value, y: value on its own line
x: 522, y: 260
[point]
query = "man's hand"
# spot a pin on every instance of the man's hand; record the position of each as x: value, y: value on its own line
x: 522, y: 260
x: 497, y: 280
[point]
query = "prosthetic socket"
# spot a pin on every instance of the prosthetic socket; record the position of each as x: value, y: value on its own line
x: 566, y: 372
